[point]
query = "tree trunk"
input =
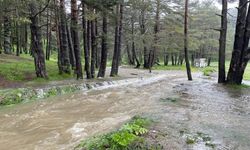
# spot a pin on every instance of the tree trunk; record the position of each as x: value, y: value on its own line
x: 130, y: 58
x: 172, y: 58
x: 7, y: 34
x: 143, y: 32
x: 37, y: 46
x: 76, y: 41
x: 233, y: 74
x: 133, y: 45
x: 166, y: 58
x: 186, y: 42
x: 135, y: 57
x: 118, y: 37
x: 104, y: 54
x: 58, y: 36
x: 209, y: 61
x: 64, y: 50
x: 26, y: 36
x: 17, y: 39
x: 98, y: 50
x: 245, y: 56
x: 85, y: 42
x: 49, y: 36
x: 153, y: 54
x: 223, y: 40
x: 175, y: 59
x: 71, y: 47
x: 192, y: 60
x: 93, y: 48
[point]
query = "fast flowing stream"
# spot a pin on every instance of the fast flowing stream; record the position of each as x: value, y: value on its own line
x: 198, y: 106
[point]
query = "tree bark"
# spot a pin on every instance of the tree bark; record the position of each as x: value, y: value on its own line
x: 209, y: 61
x: 49, y: 35
x: 143, y: 32
x: 71, y: 46
x: 76, y: 41
x: 17, y: 39
x: 130, y: 58
x: 153, y: 53
x: 233, y: 74
x: 133, y: 45
x: 7, y: 34
x: 98, y: 50
x: 64, y: 50
x: 26, y: 40
x: 118, y: 38
x: 166, y: 59
x: 93, y: 47
x: 85, y: 42
x: 58, y: 36
x: 186, y: 42
x: 104, y: 53
x: 37, y: 46
x: 245, y: 51
x: 223, y: 40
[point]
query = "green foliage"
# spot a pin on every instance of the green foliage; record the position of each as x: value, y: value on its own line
x: 10, y: 97
x: 208, y: 71
x: 122, y: 139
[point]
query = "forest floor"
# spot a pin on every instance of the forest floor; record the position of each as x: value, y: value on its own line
x: 197, y: 115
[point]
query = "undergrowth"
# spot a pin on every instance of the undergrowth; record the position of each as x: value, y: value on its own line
x: 128, y: 137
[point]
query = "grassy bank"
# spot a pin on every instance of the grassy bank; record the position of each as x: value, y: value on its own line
x: 22, y: 68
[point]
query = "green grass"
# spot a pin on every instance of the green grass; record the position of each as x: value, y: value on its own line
x: 235, y: 86
x: 122, y: 139
x: 206, y: 71
x: 22, y: 69
x: 170, y: 67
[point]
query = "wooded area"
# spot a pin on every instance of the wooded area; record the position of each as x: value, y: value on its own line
x: 141, y: 33
x: 124, y: 74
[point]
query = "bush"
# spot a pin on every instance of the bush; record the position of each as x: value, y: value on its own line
x: 121, y: 139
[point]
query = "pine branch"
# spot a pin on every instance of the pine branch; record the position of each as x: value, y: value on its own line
x: 44, y: 8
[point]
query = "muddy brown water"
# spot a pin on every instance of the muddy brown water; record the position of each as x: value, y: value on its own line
x: 60, y: 123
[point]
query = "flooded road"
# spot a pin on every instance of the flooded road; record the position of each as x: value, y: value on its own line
x: 199, y: 106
